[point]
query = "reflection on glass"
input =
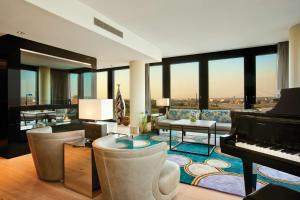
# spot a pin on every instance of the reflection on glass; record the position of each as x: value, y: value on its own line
x: 87, y: 85
x: 185, y: 85
x: 226, y: 84
x: 122, y: 77
x: 74, y: 88
x: 102, y: 85
x: 266, y: 66
x: 28, y: 87
x: 155, y: 79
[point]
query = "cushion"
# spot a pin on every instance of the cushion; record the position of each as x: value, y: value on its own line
x: 176, y: 114
x: 223, y: 126
x: 169, y: 177
x: 165, y: 122
x: 222, y: 116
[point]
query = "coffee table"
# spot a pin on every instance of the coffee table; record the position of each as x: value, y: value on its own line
x: 200, y: 125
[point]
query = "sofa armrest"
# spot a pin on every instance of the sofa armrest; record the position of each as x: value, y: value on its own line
x: 160, y: 118
x: 155, y: 119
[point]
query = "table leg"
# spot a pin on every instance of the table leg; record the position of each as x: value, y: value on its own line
x: 215, y: 134
x: 208, y: 142
x: 170, y: 138
x: 183, y: 133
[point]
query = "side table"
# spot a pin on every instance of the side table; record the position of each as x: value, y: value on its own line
x: 80, y: 173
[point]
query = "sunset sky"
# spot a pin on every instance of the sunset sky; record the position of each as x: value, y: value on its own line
x: 225, y: 79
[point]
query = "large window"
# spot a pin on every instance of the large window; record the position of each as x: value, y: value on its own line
x: 102, y: 85
x: 226, y: 83
x: 87, y: 85
x: 74, y: 88
x: 28, y: 87
x: 155, y: 79
x: 185, y: 85
x: 266, y: 67
x: 121, y: 78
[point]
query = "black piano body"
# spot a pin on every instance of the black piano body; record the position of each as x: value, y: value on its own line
x: 278, y: 129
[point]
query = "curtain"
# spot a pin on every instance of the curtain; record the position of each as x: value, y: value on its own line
x: 59, y: 86
x: 147, y: 89
x: 283, y: 66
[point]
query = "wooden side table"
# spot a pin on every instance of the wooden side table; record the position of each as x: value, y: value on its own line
x: 80, y: 173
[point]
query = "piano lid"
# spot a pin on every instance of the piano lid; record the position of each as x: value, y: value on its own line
x: 289, y: 103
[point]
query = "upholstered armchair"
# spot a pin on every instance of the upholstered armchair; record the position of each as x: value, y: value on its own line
x: 47, y: 151
x: 135, y: 174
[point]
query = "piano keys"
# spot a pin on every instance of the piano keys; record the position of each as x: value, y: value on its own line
x: 271, y: 139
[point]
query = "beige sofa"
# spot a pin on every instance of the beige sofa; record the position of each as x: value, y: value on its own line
x: 47, y: 151
x: 222, y: 118
x: 135, y: 174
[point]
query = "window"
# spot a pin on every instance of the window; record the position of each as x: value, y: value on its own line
x: 226, y: 83
x: 29, y: 87
x: 185, y: 85
x: 266, y: 68
x: 87, y: 85
x: 74, y: 88
x: 121, y: 78
x: 102, y: 85
x: 155, y: 79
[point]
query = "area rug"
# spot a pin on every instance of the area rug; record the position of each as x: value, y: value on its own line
x: 218, y: 171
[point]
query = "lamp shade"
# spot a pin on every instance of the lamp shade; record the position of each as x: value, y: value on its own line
x: 163, y: 102
x: 95, y: 109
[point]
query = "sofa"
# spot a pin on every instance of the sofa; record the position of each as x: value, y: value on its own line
x: 135, y: 174
x: 222, y: 118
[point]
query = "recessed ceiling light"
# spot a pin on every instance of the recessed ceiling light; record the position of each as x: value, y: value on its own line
x: 21, y: 33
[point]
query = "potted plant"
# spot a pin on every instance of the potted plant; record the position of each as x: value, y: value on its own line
x: 143, y: 123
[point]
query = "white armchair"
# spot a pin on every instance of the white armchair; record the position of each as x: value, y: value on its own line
x: 135, y: 174
x: 47, y: 151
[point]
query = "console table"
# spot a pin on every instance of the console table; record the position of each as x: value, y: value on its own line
x: 80, y: 173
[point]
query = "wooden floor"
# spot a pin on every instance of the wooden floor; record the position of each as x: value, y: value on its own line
x: 18, y: 181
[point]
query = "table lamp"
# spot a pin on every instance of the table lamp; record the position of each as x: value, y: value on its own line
x: 164, y: 103
x: 95, y: 109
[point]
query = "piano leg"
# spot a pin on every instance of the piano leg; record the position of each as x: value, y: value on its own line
x: 249, y: 176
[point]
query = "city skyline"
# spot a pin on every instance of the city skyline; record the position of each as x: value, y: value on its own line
x: 225, y: 73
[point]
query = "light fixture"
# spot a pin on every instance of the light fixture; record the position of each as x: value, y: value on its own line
x: 164, y: 103
x: 21, y: 33
x: 56, y: 57
x: 95, y: 109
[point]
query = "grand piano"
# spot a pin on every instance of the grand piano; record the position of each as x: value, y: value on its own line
x: 268, y: 138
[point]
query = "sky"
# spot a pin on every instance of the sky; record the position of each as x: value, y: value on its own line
x: 28, y: 80
x: 225, y: 79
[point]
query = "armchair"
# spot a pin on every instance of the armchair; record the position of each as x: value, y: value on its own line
x: 47, y: 151
x: 135, y: 174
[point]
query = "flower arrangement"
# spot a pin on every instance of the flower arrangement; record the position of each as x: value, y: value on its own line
x: 193, y: 117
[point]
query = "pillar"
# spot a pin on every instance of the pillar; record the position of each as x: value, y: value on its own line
x: 44, y: 85
x: 294, y: 56
x: 137, y: 91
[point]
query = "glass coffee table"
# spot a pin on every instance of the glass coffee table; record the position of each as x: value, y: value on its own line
x: 199, y: 125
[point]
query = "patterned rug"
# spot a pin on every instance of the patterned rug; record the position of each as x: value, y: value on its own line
x: 218, y: 171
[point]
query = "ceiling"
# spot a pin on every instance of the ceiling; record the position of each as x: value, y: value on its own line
x: 48, y: 28
x: 181, y: 27
x: 176, y: 27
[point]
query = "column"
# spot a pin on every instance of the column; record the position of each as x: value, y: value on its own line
x: 294, y: 56
x: 44, y: 85
x: 137, y: 91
